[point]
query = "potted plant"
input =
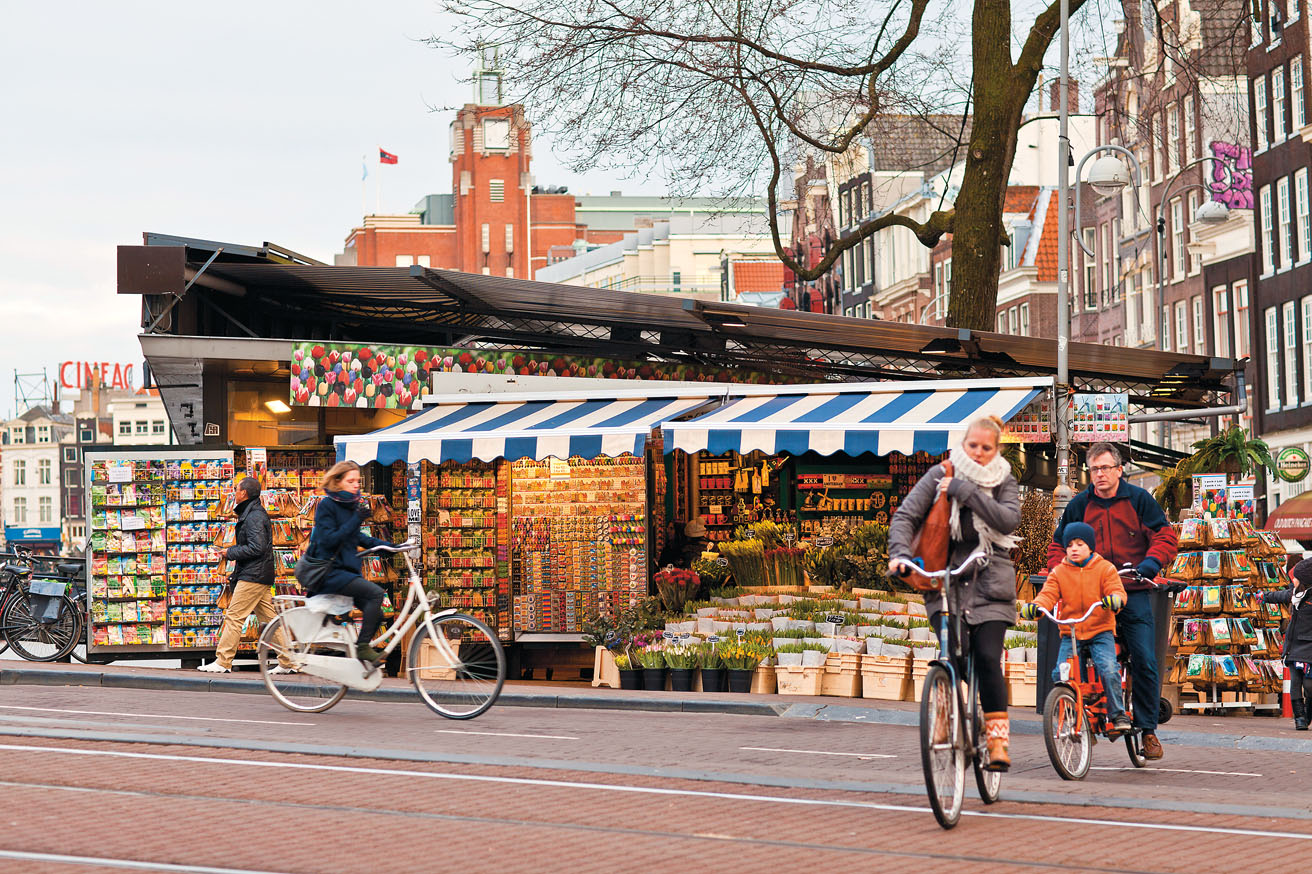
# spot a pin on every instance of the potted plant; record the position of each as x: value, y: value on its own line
x: 708, y: 658
x: 790, y: 654
x: 676, y: 587
x: 630, y: 676
x: 652, y: 659
x: 1232, y: 451
x: 682, y: 661
x: 740, y: 660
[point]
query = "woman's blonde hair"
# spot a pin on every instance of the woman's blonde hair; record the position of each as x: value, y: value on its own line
x: 988, y: 423
x: 333, y: 478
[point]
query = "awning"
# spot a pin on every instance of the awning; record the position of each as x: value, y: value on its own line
x: 513, y: 426
x: 880, y: 417
x: 1292, y: 520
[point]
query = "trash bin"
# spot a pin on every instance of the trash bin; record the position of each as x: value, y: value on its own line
x: 1050, y: 642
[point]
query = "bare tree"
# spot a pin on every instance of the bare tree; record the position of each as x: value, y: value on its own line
x: 724, y: 90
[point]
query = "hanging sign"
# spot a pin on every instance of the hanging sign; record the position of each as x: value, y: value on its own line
x: 1292, y: 464
x: 1100, y: 417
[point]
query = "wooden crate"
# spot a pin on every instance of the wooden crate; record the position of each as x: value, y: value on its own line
x: 433, y: 665
x: 799, y: 681
x: 842, y: 675
x: 1022, y: 683
x: 764, y: 681
x: 888, y: 679
x: 919, y: 667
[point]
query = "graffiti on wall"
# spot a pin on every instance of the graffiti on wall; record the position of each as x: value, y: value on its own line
x: 1232, y: 175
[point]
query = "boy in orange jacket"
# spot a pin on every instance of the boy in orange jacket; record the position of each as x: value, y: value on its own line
x: 1083, y: 579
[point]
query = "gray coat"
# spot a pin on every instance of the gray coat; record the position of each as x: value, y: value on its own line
x: 991, y: 595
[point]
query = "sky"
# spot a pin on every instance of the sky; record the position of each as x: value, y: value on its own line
x: 241, y: 122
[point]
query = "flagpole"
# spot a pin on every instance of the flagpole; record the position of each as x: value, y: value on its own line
x: 378, y: 189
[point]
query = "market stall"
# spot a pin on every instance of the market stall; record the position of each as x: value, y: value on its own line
x: 535, y: 510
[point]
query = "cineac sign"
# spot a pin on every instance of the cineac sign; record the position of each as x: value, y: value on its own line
x: 82, y: 374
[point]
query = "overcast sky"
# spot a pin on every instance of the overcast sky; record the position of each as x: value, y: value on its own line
x: 241, y: 122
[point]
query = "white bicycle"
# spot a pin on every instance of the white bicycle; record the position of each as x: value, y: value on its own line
x: 455, y: 661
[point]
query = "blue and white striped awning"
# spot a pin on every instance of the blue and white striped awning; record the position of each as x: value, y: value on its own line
x: 853, y: 418
x: 512, y: 426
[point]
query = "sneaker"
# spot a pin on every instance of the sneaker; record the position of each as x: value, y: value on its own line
x: 214, y: 668
x: 1120, y: 725
x: 281, y: 670
x: 366, y: 653
x: 1152, y: 747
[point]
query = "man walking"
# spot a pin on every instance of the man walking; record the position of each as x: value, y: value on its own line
x: 252, y: 575
x: 1132, y: 529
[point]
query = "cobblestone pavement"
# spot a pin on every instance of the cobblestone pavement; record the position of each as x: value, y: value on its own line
x: 233, y: 782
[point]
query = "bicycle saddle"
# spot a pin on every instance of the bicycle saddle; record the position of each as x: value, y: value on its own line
x: 330, y: 605
x: 17, y: 570
x: 71, y: 569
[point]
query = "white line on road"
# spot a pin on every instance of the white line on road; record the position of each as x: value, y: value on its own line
x: 149, y: 715
x: 820, y: 753
x: 100, y: 862
x: 506, y: 734
x: 1176, y: 771
x: 652, y: 790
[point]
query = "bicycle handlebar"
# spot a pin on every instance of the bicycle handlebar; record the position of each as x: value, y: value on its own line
x: 1086, y: 615
x: 406, y: 546
x: 977, y: 555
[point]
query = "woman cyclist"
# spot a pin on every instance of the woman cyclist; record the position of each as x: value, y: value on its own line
x: 985, y: 510
x: 336, y: 535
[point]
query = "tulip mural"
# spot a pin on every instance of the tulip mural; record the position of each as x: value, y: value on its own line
x: 395, y: 377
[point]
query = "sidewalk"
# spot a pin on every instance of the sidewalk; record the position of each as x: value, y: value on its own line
x: 1234, y: 732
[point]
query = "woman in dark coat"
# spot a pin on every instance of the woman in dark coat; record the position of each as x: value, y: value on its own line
x: 1298, y: 640
x: 336, y: 535
x: 985, y: 510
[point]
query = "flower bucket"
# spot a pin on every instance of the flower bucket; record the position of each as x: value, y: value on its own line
x: 791, y: 659
x: 713, y: 679
x: 826, y: 628
x: 874, y: 646
x: 763, y: 613
x: 868, y: 603
x: 739, y: 681
x: 811, y: 658
x: 653, y: 679
x: 631, y: 679
x: 681, y: 679
x: 925, y: 634
x: 777, y: 642
x: 893, y: 632
x: 849, y: 605
x: 848, y: 645
x: 705, y: 612
x: 779, y: 623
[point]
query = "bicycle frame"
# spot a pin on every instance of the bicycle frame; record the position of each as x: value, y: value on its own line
x: 950, y: 647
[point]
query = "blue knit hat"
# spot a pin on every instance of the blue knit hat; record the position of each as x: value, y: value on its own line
x: 1079, y: 531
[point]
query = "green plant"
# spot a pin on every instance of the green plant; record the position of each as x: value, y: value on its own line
x: 623, y: 662
x: 601, y: 630
x: 746, y: 561
x: 1232, y: 451
x: 652, y: 656
x: 708, y: 657
x: 740, y: 656
x: 801, y: 647
x: 784, y: 566
x: 711, y: 571
x: 917, y: 622
x: 824, y: 564
x: 728, y: 592
x: 1014, y: 642
x: 680, y: 657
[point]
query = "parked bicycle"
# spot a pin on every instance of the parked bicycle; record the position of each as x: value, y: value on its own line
x: 952, y: 727
x: 39, y: 618
x: 455, y: 661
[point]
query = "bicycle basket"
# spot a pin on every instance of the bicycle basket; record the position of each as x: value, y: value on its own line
x: 44, y: 599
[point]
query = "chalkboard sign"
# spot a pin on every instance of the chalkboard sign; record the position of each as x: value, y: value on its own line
x: 712, y: 638
x: 822, y: 542
x: 668, y: 635
x: 835, y: 618
x: 722, y: 562
x: 750, y: 532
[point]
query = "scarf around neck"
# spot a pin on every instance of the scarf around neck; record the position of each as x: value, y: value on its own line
x: 987, y: 476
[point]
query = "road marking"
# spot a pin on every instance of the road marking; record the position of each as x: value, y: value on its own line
x: 149, y: 715
x: 650, y: 790
x: 101, y: 862
x: 1177, y: 771
x: 819, y: 752
x: 506, y: 734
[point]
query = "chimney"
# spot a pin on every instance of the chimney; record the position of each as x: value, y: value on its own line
x: 1054, y: 95
x: 55, y: 404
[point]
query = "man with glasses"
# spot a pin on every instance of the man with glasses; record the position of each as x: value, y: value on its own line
x: 1131, y: 529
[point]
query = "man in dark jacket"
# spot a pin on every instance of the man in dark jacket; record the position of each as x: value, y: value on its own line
x: 1131, y: 529
x: 251, y: 578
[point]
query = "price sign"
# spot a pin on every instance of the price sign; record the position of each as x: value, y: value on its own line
x: 750, y: 532
x: 668, y: 635
x: 684, y: 635
x: 822, y: 542
x: 835, y: 618
x: 712, y: 638
x: 790, y: 537
x: 132, y: 523
x: 740, y: 631
x: 722, y: 562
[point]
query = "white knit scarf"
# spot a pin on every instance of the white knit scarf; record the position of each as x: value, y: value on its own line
x: 985, y: 476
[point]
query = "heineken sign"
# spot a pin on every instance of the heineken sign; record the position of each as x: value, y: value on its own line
x: 1292, y: 464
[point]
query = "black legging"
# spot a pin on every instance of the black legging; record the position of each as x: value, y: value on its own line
x: 369, y: 599
x: 1300, y: 686
x: 986, y: 642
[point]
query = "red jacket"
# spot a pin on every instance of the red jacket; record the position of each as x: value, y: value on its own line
x: 1130, y: 527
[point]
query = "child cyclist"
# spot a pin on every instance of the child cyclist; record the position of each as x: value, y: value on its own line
x: 1085, y: 578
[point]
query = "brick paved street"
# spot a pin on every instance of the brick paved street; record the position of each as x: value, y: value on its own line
x: 234, y: 782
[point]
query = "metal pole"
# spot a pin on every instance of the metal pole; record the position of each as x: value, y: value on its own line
x: 1062, y: 494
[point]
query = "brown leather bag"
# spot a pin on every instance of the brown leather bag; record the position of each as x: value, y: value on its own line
x: 931, y: 542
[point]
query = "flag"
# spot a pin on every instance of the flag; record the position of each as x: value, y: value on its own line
x: 385, y: 157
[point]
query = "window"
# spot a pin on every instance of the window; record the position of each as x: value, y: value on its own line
x: 125, y: 428
x: 1181, y: 327
x: 1277, y: 105
x: 1307, y: 349
x: 510, y: 238
x: 70, y: 454
x: 1200, y: 339
x: 1285, y: 231
x: 1195, y: 259
x: 1090, y: 270
x: 1293, y: 10
x: 941, y: 308
x: 20, y: 472
x: 1291, y: 353
x: 1166, y: 327
x: 1114, y: 280
x: 1239, y: 296
x: 1108, y: 266
x: 43, y: 472
x: 1272, y: 359
x: 1259, y: 111
x: 1173, y: 136
x: 1297, y: 101
x: 142, y: 427
x: 424, y: 260
x: 1177, y: 240
x: 496, y: 133
x: 938, y: 289
x: 1304, y: 218
x: 45, y: 510
x: 1221, y: 323
x: 676, y: 278
x: 42, y: 433
x: 497, y: 190
x: 1013, y: 321
x: 20, y: 511
x: 1190, y: 130
x: 486, y: 238
x: 1025, y: 317
x: 157, y: 427
x: 71, y: 479
x: 1163, y: 150
x: 1268, y: 244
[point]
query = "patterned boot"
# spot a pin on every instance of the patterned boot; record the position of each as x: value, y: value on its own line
x: 997, y: 734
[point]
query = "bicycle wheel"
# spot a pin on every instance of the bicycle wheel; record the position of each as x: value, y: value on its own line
x: 1134, y: 746
x: 300, y: 692
x: 989, y: 783
x: 460, y: 675
x: 1069, y: 747
x: 35, y: 640
x: 941, y: 753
